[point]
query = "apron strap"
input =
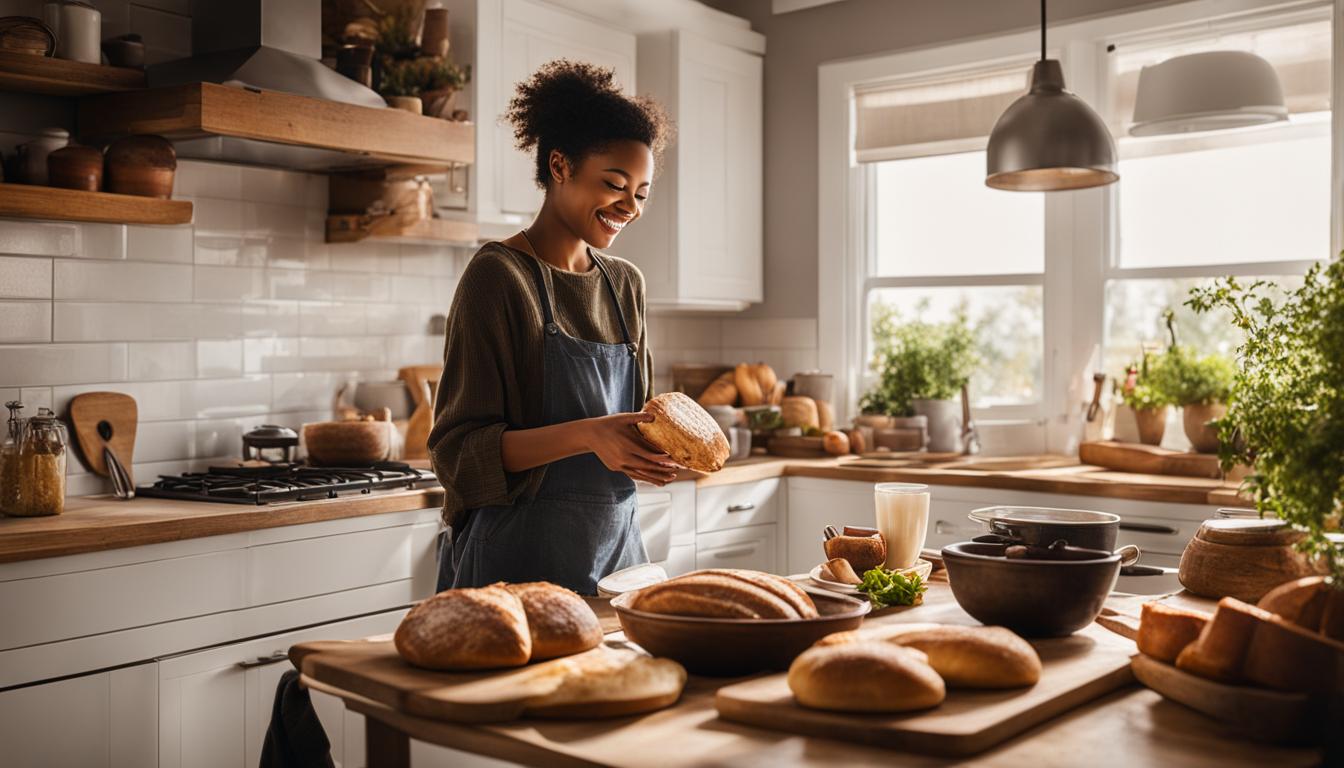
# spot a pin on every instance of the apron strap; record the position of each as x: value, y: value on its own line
x: 548, y: 319
x: 615, y: 301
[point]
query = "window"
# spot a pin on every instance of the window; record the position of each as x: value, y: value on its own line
x: 924, y: 262
x: 1191, y: 207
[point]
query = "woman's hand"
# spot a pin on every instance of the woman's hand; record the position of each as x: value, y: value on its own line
x: 621, y: 448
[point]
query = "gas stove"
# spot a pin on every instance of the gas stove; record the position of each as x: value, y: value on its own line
x: 285, y: 482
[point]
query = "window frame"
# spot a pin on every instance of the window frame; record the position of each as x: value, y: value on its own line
x: 1081, y: 228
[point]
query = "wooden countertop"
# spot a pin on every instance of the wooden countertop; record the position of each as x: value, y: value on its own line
x: 1045, y: 474
x: 96, y: 523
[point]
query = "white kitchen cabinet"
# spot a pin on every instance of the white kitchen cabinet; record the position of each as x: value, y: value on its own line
x: 506, y: 41
x: 719, y: 507
x: 214, y: 705
x: 101, y: 719
x: 752, y: 548
x: 813, y: 504
x: 699, y: 242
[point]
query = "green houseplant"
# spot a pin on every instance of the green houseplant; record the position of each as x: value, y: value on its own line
x: 1200, y: 386
x: 1285, y: 415
x: 1143, y: 392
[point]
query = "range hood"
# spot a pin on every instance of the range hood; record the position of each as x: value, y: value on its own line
x: 271, y: 45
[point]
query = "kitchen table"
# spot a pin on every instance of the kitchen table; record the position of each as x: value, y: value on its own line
x: 1130, y: 726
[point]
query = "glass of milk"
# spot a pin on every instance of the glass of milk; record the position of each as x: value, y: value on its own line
x: 903, y: 519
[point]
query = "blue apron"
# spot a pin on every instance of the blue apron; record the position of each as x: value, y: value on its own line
x: 582, y: 524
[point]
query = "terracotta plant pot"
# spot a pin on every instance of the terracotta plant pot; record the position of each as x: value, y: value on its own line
x: 76, y: 167
x: 1203, y: 435
x: 407, y: 103
x: 1152, y: 424
x: 141, y: 165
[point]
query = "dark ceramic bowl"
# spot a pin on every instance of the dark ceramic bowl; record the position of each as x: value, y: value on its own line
x: 726, y: 647
x: 1042, y: 526
x: 1034, y: 598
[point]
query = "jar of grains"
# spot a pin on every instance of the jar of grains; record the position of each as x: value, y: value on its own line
x: 41, y: 466
x: 9, y: 459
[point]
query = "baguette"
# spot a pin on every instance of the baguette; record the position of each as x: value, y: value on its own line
x: 721, y: 391
x: 766, y: 379
x: 1165, y: 631
x: 748, y: 386
x: 781, y: 587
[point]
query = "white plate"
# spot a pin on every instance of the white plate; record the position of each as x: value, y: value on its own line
x: 921, y: 567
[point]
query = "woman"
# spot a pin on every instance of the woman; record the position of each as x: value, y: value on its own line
x: 546, y: 360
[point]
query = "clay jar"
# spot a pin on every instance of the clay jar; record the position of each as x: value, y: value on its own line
x: 76, y: 167
x: 141, y: 165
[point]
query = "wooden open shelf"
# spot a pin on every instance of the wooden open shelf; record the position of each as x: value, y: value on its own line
x: 352, y: 228
x: 200, y: 110
x: 27, y: 73
x: 25, y: 201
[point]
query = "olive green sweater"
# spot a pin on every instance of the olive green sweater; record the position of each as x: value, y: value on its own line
x: 492, y: 364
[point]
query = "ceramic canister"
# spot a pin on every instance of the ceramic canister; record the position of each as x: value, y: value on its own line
x: 32, y: 165
x: 81, y: 33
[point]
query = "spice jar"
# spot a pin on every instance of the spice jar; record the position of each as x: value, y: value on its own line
x: 9, y: 459
x: 41, y: 466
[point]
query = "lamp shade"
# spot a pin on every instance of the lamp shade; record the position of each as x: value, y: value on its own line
x: 1207, y: 91
x: 1049, y: 139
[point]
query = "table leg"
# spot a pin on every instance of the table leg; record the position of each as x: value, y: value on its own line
x: 385, y: 746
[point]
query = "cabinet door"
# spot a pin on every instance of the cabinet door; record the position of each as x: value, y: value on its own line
x: 813, y: 504
x: 215, y: 705
x: 533, y: 34
x: 752, y: 548
x: 719, y: 161
x: 719, y: 507
x: 99, y: 719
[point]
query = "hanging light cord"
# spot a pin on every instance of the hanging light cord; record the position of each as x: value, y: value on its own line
x: 1042, y: 30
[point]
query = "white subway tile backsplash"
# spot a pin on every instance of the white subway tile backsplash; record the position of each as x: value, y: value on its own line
x: 216, y: 215
x: 411, y: 289
x: 221, y: 437
x: 296, y: 253
x: 271, y: 219
x: 770, y: 333
x: 172, y: 244
x: 218, y: 358
x: 199, y: 178
x: 121, y: 281
x: 39, y: 238
x: 164, y: 441
x: 361, y: 257
x: 218, y: 398
x: 22, y: 278
x: 48, y: 364
x: 98, y: 321
x: 392, y: 319
x: 355, y: 287
x: 272, y: 318
x: 101, y: 241
x: 270, y: 354
x: 300, y: 284
x: 34, y: 398
x: 418, y: 260
x: 322, y: 319
x: 304, y: 391
x: 270, y: 185
x: 154, y: 400
x: 339, y: 354
x: 224, y: 250
x: 228, y: 283
x: 149, y: 361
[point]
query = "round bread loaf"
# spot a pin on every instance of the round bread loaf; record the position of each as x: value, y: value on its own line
x: 559, y: 621
x: 965, y: 657
x: 461, y: 629
x: 865, y: 677
x: 862, y: 552
x: 727, y: 594
x: 686, y: 432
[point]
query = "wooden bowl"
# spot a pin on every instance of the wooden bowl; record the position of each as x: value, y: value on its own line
x: 726, y: 647
x: 76, y: 167
x: 1242, y: 558
x: 348, y: 443
x: 1034, y: 598
x: 141, y: 165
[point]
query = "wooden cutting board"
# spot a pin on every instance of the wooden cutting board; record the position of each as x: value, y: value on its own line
x: 94, y: 414
x: 1149, y: 459
x: 371, y: 668
x: 1077, y: 669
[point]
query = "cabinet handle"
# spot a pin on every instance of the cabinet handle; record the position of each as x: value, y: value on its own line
x: 1149, y: 528
x: 741, y: 507
x: 264, y: 661
x: 737, y: 552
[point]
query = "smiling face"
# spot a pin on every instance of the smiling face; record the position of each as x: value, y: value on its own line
x: 604, y: 192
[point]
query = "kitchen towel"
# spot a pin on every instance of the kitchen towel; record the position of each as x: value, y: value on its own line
x: 295, y: 738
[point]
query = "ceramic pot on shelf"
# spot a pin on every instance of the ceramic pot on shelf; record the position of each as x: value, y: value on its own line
x: 434, y: 34
x: 141, y: 165
x: 1203, y: 436
x: 80, y: 33
x: 411, y: 104
x: 32, y: 155
x: 1152, y: 423
x: 944, y: 424
x: 76, y: 167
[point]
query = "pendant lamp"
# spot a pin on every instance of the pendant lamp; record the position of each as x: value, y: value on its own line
x: 1049, y: 139
x: 1206, y: 92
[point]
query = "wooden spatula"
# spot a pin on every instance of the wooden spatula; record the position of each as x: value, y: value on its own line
x: 105, y: 424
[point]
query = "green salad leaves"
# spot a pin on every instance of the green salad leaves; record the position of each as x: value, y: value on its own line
x: 886, y: 588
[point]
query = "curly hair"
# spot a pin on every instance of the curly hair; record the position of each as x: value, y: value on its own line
x: 578, y: 109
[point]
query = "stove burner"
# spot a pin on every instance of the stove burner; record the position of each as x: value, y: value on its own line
x: 263, y: 485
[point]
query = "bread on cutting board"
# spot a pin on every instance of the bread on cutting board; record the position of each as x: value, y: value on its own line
x: 865, y: 677
x: 559, y: 621
x: 461, y: 629
x: 1165, y: 631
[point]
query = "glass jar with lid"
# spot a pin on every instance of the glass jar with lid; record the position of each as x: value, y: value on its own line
x: 9, y: 459
x: 41, y: 466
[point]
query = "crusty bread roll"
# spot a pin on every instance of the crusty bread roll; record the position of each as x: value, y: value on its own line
x: 748, y: 386
x: 1220, y: 649
x: 799, y: 411
x: 684, y: 431
x: 612, y: 683
x: 726, y: 594
x: 863, y: 552
x: 865, y: 677
x: 1165, y: 631
x: 1285, y: 656
x: 839, y: 570
x: 721, y: 391
x: 965, y: 657
x: 559, y: 621
x: 765, y: 378
x: 462, y: 629
x: 1302, y: 601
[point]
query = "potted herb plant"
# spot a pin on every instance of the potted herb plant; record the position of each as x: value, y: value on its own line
x: 1149, y: 401
x: 1285, y: 415
x: 1200, y: 387
x: 923, y: 367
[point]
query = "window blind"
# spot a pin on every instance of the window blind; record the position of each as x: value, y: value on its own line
x: 934, y: 116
